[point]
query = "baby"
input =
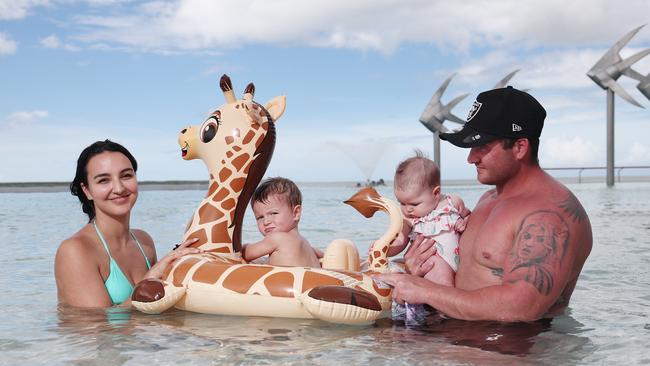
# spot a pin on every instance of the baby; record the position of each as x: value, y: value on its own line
x: 430, y: 213
x: 277, y: 207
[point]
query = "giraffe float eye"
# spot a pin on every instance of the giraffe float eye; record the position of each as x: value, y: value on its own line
x: 209, y: 129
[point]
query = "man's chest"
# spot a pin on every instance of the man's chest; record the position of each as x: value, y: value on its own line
x: 488, y: 239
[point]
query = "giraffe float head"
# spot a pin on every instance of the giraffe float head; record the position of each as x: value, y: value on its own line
x: 236, y: 143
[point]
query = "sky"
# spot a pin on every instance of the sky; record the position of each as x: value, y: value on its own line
x: 356, y: 75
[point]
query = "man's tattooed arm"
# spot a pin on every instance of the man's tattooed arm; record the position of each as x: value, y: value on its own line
x: 540, y: 245
x: 572, y: 207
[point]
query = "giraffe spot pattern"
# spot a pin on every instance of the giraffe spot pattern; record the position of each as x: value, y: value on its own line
x: 218, y: 250
x: 229, y: 154
x: 237, y: 184
x: 224, y: 174
x: 209, y: 213
x: 248, y: 167
x: 209, y: 272
x: 199, y: 234
x: 280, y: 284
x: 181, y: 270
x: 220, y: 233
x: 229, y: 140
x: 385, y: 292
x: 236, y: 148
x: 248, y: 138
x: 228, y: 204
x: 241, y: 279
x: 259, y: 141
x: 239, y: 161
x: 223, y: 193
x: 213, y: 187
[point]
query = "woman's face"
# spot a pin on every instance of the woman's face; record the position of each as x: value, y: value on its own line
x: 112, y: 183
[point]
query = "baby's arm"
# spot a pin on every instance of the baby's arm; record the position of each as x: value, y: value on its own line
x: 464, y: 212
x: 263, y: 247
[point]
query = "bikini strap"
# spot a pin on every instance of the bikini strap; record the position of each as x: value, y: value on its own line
x: 101, y: 237
x: 141, y: 250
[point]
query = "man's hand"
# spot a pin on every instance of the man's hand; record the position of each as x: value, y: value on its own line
x: 407, y: 288
x: 419, y: 257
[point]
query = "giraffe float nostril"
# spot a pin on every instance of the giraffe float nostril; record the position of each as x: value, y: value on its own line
x: 184, y: 130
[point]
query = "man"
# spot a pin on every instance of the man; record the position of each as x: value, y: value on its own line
x: 527, y: 239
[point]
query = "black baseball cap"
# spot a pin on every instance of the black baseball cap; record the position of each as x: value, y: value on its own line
x: 498, y: 113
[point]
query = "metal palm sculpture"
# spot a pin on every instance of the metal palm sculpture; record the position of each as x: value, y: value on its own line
x: 605, y: 73
x: 436, y: 113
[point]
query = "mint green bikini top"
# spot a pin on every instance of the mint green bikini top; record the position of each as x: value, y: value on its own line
x: 117, y: 284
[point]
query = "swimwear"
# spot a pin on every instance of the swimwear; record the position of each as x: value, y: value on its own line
x: 117, y: 284
x: 439, y: 225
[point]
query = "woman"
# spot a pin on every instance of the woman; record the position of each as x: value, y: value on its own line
x: 99, y: 265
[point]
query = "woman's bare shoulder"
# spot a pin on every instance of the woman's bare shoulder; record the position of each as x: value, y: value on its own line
x: 79, y: 246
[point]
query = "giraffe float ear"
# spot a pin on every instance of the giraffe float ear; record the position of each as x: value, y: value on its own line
x: 276, y: 107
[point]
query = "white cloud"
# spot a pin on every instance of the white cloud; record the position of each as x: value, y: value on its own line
x: 569, y: 152
x: 24, y: 118
x: 52, y: 41
x: 636, y: 154
x: 7, y: 45
x: 18, y: 9
x: 365, y: 24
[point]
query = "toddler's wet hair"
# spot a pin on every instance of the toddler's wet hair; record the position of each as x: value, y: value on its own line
x: 283, y: 187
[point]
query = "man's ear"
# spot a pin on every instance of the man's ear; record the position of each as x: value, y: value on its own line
x: 436, y: 190
x: 521, y: 148
x: 297, y: 211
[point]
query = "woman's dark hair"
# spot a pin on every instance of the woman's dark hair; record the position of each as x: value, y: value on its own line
x: 81, y: 176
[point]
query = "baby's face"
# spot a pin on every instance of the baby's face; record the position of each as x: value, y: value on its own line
x: 275, y: 215
x: 417, y: 201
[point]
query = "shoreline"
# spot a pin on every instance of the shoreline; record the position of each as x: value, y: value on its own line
x: 180, y: 185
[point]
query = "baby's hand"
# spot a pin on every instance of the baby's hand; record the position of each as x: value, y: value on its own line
x: 460, y: 225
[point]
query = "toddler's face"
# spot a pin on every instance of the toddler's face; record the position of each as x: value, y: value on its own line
x: 275, y: 215
x: 417, y: 201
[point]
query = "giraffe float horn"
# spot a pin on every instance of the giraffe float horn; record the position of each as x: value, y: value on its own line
x: 226, y: 87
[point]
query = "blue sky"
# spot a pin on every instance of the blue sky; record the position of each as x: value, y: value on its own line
x: 356, y: 74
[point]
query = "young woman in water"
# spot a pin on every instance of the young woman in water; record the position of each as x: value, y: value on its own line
x: 99, y: 265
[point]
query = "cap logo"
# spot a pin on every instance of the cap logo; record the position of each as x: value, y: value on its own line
x: 473, y: 138
x: 516, y: 127
x: 474, y: 110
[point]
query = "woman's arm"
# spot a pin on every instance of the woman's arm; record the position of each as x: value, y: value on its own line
x: 78, y: 280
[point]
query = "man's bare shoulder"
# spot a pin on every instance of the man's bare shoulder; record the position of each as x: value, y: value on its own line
x: 555, y: 197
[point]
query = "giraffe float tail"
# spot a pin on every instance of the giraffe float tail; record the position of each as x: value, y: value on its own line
x: 367, y: 201
x: 155, y: 296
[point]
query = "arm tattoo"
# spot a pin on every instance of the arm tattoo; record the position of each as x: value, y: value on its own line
x: 497, y: 272
x: 573, y: 208
x: 540, y: 244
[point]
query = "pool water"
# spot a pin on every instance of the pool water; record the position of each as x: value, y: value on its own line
x: 606, y: 323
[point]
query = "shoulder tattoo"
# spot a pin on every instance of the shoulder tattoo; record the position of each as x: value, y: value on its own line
x: 540, y: 245
x: 572, y: 207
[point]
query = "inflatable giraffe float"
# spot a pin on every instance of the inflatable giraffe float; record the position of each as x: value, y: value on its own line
x: 236, y: 143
